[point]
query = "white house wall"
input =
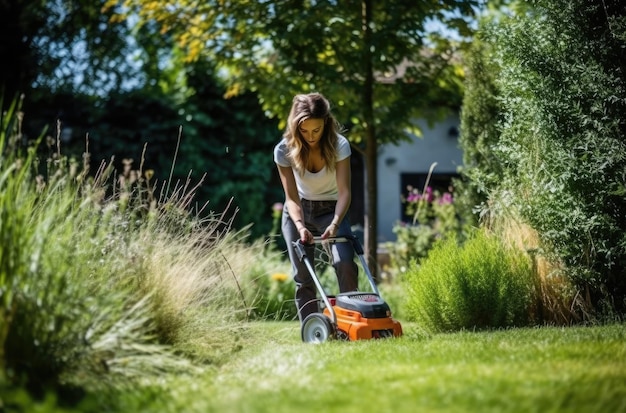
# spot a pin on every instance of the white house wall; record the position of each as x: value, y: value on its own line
x: 436, y: 145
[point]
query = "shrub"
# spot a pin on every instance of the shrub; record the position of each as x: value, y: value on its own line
x: 558, y: 155
x: 481, y: 284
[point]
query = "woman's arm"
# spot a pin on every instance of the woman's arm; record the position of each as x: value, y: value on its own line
x: 292, y: 202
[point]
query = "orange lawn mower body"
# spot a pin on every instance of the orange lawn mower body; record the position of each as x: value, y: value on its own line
x: 350, y: 316
x: 362, y: 316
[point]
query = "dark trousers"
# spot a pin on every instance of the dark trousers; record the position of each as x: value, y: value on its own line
x: 317, y: 215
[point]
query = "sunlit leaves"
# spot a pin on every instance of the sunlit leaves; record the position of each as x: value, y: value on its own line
x: 281, y: 48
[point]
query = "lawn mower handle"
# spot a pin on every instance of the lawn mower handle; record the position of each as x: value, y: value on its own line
x: 358, y: 249
x: 300, y: 251
x: 298, y: 246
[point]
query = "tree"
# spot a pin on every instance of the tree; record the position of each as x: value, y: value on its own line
x: 376, y: 61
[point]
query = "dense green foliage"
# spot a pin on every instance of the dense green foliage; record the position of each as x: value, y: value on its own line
x: 225, y: 143
x: 560, y: 145
x: 481, y: 284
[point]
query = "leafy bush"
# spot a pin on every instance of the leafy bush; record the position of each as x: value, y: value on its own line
x: 480, y: 284
x: 560, y: 151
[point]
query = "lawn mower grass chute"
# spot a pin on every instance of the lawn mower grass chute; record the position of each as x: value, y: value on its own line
x: 351, y: 316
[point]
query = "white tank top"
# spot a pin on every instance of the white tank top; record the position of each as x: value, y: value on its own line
x: 318, y: 186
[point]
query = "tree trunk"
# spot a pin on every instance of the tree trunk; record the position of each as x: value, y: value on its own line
x: 371, y: 207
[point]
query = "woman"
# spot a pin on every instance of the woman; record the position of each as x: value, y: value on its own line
x: 313, y: 161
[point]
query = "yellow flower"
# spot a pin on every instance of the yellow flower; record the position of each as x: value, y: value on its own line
x: 279, y: 276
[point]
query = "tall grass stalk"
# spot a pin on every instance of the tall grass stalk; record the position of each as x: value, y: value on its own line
x: 423, y: 200
x: 558, y: 302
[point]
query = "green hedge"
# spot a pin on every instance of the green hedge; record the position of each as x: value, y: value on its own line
x: 557, y: 97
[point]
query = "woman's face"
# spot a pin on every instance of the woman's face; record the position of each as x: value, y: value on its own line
x: 311, y: 131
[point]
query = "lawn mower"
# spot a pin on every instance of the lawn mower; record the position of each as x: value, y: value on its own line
x: 349, y: 316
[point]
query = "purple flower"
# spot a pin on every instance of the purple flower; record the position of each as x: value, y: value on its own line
x: 445, y: 199
x: 429, y: 194
x: 413, y: 197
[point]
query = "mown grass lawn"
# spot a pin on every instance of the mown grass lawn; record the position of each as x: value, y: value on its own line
x: 574, y: 369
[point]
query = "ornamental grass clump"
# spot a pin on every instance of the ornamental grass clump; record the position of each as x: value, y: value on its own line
x: 68, y: 313
x: 104, y: 286
x: 478, y: 285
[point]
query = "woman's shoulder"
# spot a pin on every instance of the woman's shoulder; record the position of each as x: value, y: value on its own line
x: 280, y: 153
x: 281, y: 145
x: 343, y: 147
x: 342, y: 140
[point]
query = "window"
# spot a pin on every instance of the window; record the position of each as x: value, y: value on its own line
x: 438, y: 181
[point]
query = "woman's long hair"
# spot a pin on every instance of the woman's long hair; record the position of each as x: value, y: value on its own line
x: 311, y: 106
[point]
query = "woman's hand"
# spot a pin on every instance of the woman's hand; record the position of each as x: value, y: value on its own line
x: 306, y: 237
x: 331, y: 231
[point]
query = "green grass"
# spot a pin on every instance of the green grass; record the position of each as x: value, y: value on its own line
x: 574, y: 369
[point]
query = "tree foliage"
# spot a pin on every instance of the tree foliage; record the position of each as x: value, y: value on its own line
x: 61, y: 45
x: 279, y: 48
x: 376, y: 61
x: 561, y: 93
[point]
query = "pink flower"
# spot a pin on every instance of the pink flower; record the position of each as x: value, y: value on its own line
x: 429, y: 194
x: 413, y: 197
x: 445, y: 199
x: 278, y: 206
